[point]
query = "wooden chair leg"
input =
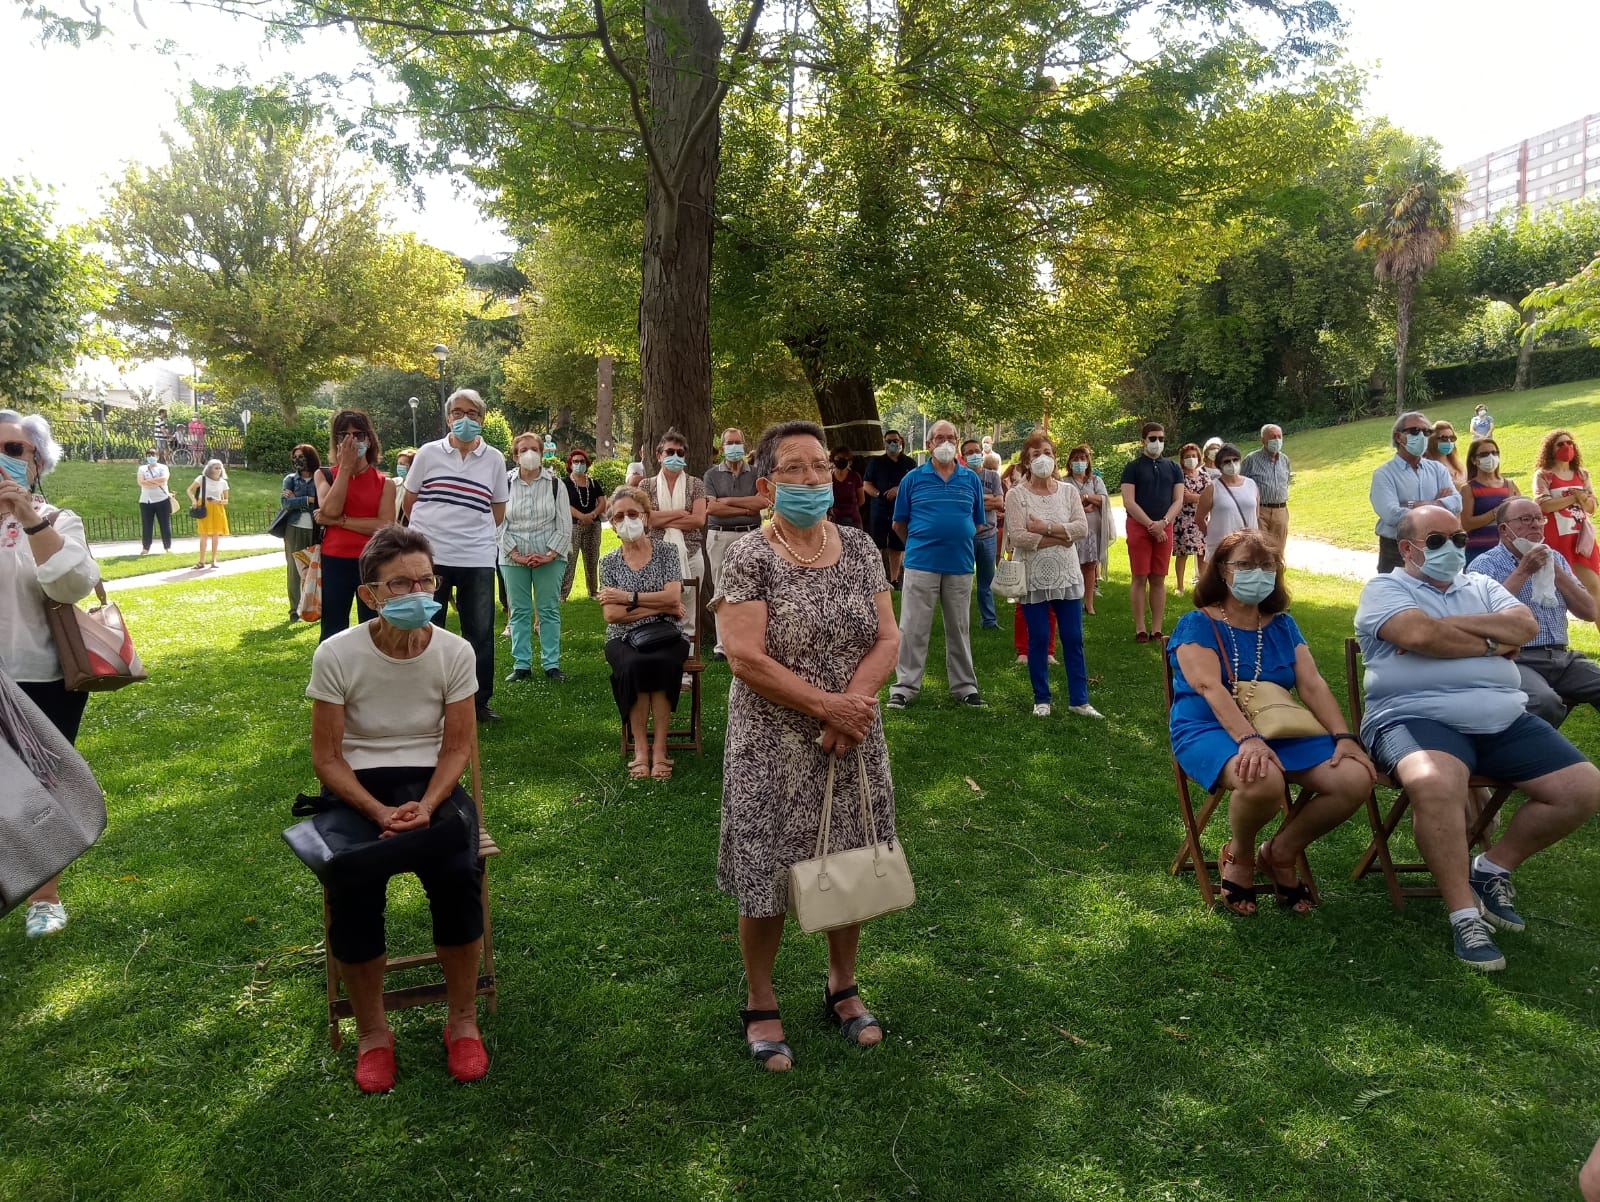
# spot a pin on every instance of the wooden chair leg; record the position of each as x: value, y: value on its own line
x: 490, y: 991
x: 1378, y: 849
x: 1192, y: 852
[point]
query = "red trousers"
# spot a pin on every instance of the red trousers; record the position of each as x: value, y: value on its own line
x: 1019, y: 632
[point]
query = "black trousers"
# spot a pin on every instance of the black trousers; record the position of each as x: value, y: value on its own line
x: 63, y: 707
x: 151, y: 512
x: 341, y: 576
x: 474, y: 594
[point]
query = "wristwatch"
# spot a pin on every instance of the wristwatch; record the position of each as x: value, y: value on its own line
x: 32, y: 530
x: 633, y: 600
x: 1490, y: 647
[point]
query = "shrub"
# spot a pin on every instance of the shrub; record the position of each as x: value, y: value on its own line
x: 497, y: 432
x: 269, y: 441
x: 1558, y: 366
x: 609, y: 474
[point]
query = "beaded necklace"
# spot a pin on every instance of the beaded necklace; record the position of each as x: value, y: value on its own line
x: 1233, y: 643
x: 799, y: 558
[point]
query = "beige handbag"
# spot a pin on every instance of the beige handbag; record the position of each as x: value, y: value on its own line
x: 1272, y: 709
x: 844, y: 888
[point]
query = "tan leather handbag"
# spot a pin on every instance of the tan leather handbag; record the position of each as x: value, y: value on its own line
x: 841, y: 889
x: 94, y: 646
x: 1272, y: 709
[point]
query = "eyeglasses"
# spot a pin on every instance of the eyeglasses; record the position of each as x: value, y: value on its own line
x: 1416, y: 430
x: 1436, y: 540
x: 350, y: 432
x: 672, y: 451
x: 17, y: 450
x: 399, y: 586
x: 814, y: 466
x: 1238, y: 566
x: 1530, y: 519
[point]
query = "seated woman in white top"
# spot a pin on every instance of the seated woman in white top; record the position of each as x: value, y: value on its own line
x: 1228, y: 505
x: 392, y: 723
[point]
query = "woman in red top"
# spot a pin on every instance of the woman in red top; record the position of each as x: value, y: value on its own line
x: 848, y: 491
x: 1562, y: 488
x: 354, y: 501
x: 1484, y: 491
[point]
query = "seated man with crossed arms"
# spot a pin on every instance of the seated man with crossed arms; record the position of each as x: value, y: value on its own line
x: 1444, y: 701
x: 1554, y: 676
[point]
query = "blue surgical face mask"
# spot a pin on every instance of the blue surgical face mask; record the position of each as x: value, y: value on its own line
x: 803, y: 505
x: 675, y: 463
x: 361, y: 448
x: 1416, y: 444
x: 1253, y: 585
x: 733, y: 452
x: 1274, y: 445
x: 410, y: 612
x: 975, y: 462
x: 466, y: 429
x: 580, y: 468
x: 17, y: 469
x: 1446, y: 447
x: 149, y: 458
x: 400, y: 471
x: 1079, y: 466
x: 1444, y: 564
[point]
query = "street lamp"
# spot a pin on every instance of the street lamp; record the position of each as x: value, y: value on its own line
x: 413, y: 402
x: 440, y: 353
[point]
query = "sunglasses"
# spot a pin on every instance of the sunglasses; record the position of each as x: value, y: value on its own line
x: 1436, y: 540
x: 17, y: 450
x: 1416, y: 430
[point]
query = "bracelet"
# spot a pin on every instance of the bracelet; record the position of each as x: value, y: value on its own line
x: 31, y: 530
x: 1254, y: 734
x: 1345, y: 735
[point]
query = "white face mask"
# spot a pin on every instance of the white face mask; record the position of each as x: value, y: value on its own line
x: 945, y: 452
x: 1524, y: 545
x: 630, y: 529
x: 1154, y: 446
x: 1230, y: 468
x: 1043, y: 465
x: 1489, y: 462
x: 528, y: 461
x: 1191, y: 462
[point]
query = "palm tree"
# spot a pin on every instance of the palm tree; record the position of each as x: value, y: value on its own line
x: 1409, y: 212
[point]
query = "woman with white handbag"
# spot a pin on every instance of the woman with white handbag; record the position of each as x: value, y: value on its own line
x: 43, y: 557
x: 809, y: 629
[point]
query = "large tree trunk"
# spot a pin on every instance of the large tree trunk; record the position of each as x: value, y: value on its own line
x: 683, y: 41
x: 1402, y: 336
x: 1524, y: 379
x: 847, y: 404
x: 602, y: 406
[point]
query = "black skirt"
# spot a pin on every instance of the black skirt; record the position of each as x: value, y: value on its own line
x: 635, y: 673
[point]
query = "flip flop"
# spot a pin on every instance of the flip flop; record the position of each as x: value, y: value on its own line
x: 662, y: 771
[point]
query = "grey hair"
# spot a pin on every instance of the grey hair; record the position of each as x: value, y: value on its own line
x: 991, y: 462
x: 1502, y: 510
x: 1400, y: 422
x: 46, y: 450
x: 216, y: 463
x: 470, y: 395
x: 627, y: 492
x: 766, y: 457
x: 1270, y: 426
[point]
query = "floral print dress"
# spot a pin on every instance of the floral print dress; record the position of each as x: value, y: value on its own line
x: 1189, y: 539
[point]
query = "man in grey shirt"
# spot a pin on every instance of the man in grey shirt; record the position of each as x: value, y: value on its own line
x: 1269, y: 468
x: 1445, y: 702
x: 1407, y: 482
x: 733, y: 509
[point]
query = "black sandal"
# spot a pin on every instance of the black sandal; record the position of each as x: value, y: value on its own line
x: 851, y: 1028
x: 763, y: 1050
x: 1289, y: 896
x: 1234, y: 894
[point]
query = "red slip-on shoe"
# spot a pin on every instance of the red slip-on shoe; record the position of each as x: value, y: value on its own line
x: 468, y: 1058
x: 375, y: 1068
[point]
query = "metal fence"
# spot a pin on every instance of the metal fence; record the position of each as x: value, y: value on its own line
x: 117, y: 527
x: 92, y: 441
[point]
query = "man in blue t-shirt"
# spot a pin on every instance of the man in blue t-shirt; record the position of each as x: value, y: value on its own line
x: 937, y: 514
x: 882, y: 482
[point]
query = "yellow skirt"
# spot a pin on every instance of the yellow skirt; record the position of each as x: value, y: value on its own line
x: 215, y: 521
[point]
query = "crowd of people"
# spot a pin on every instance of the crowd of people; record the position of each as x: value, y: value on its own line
x: 798, y: 544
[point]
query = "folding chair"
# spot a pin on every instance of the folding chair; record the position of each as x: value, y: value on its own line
x: 434, y: 991
x: 1191, y: 856
x: 681, y: 737
x: 1383, y: 827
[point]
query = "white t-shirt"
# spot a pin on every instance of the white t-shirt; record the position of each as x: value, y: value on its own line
x: 393, y: 708
x: 153, y: 482
x: 1231, y: 509
x: 454, y: 495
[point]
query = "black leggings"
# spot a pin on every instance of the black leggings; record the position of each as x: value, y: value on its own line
x: 63, y: 707
x: 451, y: 879
x: 151, y: 512
x: 341, y: 576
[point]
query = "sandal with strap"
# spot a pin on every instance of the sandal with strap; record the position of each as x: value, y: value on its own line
x: 1296, y: 897
x: 1234, y: 895
x: 763, y: 1050
x: 850, y: 1028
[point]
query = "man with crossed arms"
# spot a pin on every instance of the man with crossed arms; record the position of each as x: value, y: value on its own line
x: 1444, y: 701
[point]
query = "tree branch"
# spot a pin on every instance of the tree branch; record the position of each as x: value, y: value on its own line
x: 709, y: 114
x: 635, y: 101
x: 331, y: 15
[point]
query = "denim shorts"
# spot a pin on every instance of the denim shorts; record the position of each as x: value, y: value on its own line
x: 1526, y: 750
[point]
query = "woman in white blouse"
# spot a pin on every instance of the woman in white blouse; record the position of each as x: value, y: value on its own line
x: 534, y: 542
x: 1230, y: 503
x: 155, y: 501
x: 1044, y: 522
x: 43, y: 556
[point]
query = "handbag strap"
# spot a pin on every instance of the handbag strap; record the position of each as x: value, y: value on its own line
x: 869, y: 818
x: 1222, y: 655
x: 820, y: 850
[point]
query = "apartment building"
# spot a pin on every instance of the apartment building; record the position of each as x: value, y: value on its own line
x: 1556, y: 167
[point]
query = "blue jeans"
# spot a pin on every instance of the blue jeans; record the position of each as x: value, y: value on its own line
x: 985, y: 545
x: 1069, y: 624
x: 474, y: 590
x: 529, y: 588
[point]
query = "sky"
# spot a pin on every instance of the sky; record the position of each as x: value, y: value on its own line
x: 1473, y: 74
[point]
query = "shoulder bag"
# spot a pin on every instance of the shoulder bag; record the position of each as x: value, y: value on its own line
x: 652, y: 635
x: 1010, y: 575
x: 94, y: 646
x: 841, y: 889
x: 1271, y: 708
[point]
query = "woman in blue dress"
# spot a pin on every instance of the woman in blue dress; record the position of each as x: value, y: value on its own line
x: 1240, y: 620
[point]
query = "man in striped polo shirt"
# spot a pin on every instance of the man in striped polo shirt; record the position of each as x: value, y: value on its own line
x: 455, y: 493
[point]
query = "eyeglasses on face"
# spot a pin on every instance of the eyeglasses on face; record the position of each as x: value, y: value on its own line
x: 797, y: 467
x: 1409, y: 430
x: 1250, y: 565
x: 672, y: 451
x: 1526, y: 519
x: 1438, y: 539
x: 399, y: 586
x: 17, y: 450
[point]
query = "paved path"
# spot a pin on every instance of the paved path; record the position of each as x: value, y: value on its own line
x: 1312, y: 555
x: 233, y: 542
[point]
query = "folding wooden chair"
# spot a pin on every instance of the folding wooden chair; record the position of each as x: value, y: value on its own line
x: 1191, y: 855
x: 681, y: 737
x: 434, y: 991
x: 1383, y: 827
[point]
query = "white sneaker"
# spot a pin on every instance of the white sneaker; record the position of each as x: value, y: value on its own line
x: 1042, y: 710
x: 1085, y: 711
x: 45, y: 918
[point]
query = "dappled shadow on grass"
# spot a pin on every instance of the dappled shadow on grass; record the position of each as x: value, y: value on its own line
x: 1064, y: 1020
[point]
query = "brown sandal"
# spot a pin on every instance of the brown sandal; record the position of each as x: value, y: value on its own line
x: 1296, y: 897
x: 639, y: 769
x: 662, y: 771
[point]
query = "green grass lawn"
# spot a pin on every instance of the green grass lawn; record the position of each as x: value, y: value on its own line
x: 1333, y: 466
x: 1064, y: 1019
x: 111, y: 490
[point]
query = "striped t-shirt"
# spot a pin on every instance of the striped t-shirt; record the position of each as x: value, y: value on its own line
x: 454, y: 494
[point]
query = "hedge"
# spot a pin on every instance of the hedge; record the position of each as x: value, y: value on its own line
x: 1558, y: 366
x: 269, y: 443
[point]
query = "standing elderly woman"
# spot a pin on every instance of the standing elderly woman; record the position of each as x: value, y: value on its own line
x: 1097, y: 510
x: 1230, y: 503
x: 809, y: 628
x: 587, y: 501
x: 1189, y: 538
x: 641, y: 596
x: 1240, y: 629
x: 535, y: 539
x: 392, y: 724
x: 211, y: 486
x: 43, y: 557
x: 1044, y: 522
x: 299, y: 502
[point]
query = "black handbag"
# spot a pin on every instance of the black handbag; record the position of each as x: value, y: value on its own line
x: 339, y: 843
x: 652, y: 636
x: 198, y: 509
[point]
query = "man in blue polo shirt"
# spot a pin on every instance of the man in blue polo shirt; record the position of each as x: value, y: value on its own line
x: 937, y: 514
x: 1444, y: 701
